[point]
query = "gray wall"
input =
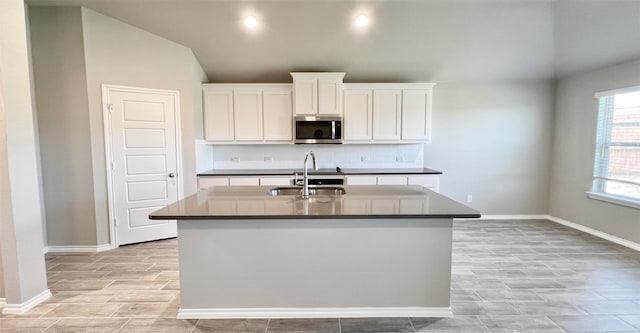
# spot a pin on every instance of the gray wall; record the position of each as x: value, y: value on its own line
x: 493, y: 140
x: 574, y: 149
x: 20, y: 206
x: 63, y: 118
x: 76, y: 50
x: 120, y: 54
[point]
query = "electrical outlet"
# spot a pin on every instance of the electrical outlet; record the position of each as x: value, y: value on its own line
x: 469, y: 198
x: 235, y: 159
x: 268, y: 159
x: 364, y: 158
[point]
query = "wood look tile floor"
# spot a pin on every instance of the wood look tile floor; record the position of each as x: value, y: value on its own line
x: 508, y: 276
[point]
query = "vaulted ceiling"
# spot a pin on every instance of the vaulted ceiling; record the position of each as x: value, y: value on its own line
x: 407, y: 40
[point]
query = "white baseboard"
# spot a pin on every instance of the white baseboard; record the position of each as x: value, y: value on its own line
x: 22, y: 308
x: 597, y: 233
x: 77, y: 249
x: 266, y: 313
x: 3, y: 302
x: 573, y: 225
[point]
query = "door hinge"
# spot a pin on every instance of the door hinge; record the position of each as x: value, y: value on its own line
x: 109, y: 107
x: 115, y: 222
x: 113, y: 166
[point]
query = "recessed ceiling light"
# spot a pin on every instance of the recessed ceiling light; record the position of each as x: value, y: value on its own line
x: 250, y: 22
x: 362, y: 21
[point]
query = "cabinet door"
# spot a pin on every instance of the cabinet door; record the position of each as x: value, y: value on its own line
x: 431, y: 182
x: 275, y: 181
x: 244, y: 181
x: 416, y: 115
x: 277, y: 115
x: 361, y: 180
x: 306, y: 96
x: 387, y: 115
x: 205, y: 182
x: 357, y: 115
x: 392, y: 180
x: 248, y: 114
x: 329, y: 96
x: 218, y: 115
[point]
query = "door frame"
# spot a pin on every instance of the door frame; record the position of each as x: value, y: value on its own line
x: 106, y: 112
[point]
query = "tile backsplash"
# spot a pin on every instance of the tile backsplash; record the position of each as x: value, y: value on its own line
x: 292, y: 156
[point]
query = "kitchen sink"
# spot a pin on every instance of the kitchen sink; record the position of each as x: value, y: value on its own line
x: 330, y: 191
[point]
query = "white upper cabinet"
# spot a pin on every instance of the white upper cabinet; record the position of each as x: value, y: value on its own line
x: 358, y: 112
x: 416, y: 115
x: 387, y: 112
x: 317, y: 93
x: 218, y: 113
x: 247, y: 110
x: 248, y: 113
x: 277, y: 114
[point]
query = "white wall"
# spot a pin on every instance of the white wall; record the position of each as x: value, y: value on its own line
x: 24, y: 273
x: 574, y: 149
x: 291, y: 156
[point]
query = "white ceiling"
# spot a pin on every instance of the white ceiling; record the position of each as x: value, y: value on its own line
x: 408, y: 40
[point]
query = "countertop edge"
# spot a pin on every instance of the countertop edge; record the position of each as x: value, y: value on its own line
x: 290, y: 172
x: 312, y: 217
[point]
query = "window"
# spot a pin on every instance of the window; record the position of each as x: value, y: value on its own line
x: 616, y: 175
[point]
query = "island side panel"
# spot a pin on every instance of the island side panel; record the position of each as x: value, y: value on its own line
x: 315, y: 263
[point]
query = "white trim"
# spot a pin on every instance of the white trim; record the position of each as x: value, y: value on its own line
x: 573, y: 225
x: 106, y: 89
x: 616, y: 91
x: 509, y: 217
x: 594, y: 232
x: 3, y: 302
x: 76, y: 248
x: 22, y: 308
x: 264, y: 313
x: 614, y: 199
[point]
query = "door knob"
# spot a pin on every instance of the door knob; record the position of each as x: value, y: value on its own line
x: 171, y: 175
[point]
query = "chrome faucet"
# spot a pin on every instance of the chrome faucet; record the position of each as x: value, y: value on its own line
x: 305, y: 179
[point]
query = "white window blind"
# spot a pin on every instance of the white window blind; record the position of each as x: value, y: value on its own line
x: 617, y: 157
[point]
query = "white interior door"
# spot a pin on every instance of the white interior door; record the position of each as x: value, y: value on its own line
x: 144, y: 156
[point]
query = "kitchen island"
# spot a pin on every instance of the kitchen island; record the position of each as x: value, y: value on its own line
x: 382, y: 251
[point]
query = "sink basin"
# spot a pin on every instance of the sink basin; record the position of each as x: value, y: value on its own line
x: 331, y: 191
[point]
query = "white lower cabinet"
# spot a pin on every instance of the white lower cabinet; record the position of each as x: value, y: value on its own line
x: 429, y: 181
x: 361, y: 180
x: 392, y: 180
x: 208, y: 181
x: 205, y: 182
x: 275, y: 181
x: 244, y: 181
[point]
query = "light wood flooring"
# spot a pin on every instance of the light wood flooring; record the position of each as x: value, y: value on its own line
x: 508, y: 276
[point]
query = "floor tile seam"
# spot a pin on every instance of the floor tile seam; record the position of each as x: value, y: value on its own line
x: 266, y: 329
x: 123, y: 325
x: 340, y: 325
x: 637, y: 326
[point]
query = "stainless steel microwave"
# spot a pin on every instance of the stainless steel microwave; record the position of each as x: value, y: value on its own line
x: 318, y: 129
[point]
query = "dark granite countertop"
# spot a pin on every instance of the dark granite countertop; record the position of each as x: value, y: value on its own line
x: 253, y: 202
x: 322, y: 171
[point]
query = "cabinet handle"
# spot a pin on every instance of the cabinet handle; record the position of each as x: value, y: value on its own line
x: 171, y: 175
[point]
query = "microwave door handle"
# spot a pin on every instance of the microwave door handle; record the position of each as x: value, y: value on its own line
x: 333, y: 129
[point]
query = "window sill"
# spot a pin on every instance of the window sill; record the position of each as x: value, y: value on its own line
x: 614, y: 199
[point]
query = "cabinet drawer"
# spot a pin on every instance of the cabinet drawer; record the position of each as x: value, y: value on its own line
x: 205, y: 182
x: 392, y: 180
x: 244, y: 181
x: 429, y: 181
x: 275, y: 181
x: 361, y: 180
